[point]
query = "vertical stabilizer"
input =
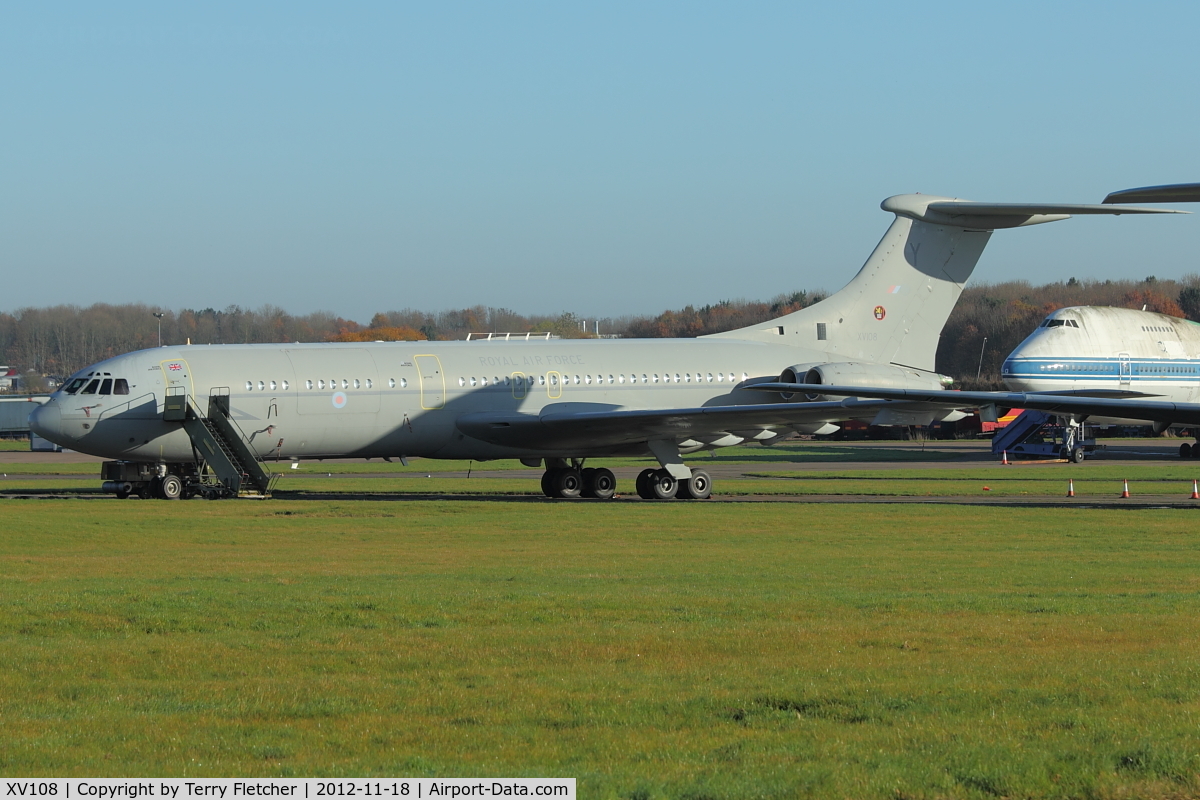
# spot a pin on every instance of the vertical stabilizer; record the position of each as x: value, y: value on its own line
x: 894, y: 309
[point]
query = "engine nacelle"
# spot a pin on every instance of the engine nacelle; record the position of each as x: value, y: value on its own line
x: 884, y: 376
x: 794, y: 374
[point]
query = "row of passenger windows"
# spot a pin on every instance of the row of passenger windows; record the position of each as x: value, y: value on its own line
x: 1148, y: 369
x: 555, y: 379
x: 1158, y: 329
x: 320, y: 383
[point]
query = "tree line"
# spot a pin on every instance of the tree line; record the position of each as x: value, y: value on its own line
x: 58, y: 340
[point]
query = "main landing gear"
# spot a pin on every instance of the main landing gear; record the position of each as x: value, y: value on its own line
x: 575, y: 481
x: 658, y: 484
x: 1189, y: 450
x: 652, y: 484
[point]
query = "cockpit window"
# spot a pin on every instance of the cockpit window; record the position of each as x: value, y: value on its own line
x: 91, y: 387
x: 106, y: 386
x: 1059, y: 323
x: 120, y: 386
x: 74, y: 386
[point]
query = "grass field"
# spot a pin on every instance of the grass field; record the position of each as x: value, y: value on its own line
x: 650, y: 650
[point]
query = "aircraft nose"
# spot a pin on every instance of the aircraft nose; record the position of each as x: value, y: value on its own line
x: 46, y: 422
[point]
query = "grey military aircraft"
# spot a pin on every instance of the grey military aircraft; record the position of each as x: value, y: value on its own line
x: 182, y: 421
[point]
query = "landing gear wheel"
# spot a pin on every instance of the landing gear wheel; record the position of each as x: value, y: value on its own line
x: 644, y: 479
x: 664, y: 486
x: 1077, y: 455
x: 567, y: 483
x: 146, y: 491
x: 548, y: 482
x: 1196, y: 450
x: 589, y: 476
x: 599, y: 483
x: 170, y: 488
x: 121, y: 495
x: 1185, y: 450
x: 697, y: 487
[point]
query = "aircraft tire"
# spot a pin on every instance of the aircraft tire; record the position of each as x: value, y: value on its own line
x: 589, y: 478
x: 602, y: 484
x: 1078, y: 455
x: 548, y: 482
x: 1185, y: 450
x: 170, y: 488
x: 1196, y: 450
x: 121, y: 495
x: 568, y: 483
x: 664, y: 486
x: 697, y: 487
x: 643, y: 484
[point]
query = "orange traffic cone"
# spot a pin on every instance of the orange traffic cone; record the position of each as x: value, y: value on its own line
x: 1195, y: 490
x: 1125, y: 491
x: 1070, y: 487
x: 1004, y: 458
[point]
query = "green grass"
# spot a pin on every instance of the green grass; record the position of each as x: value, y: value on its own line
x: 651, y: 650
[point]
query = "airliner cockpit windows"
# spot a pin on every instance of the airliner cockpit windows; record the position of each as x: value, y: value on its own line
x: 106, y: 386
x: 74, y: 386
x: 91, y: 387
x: 120, y: 386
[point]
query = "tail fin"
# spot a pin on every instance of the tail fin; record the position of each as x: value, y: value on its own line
x: 894, y: 308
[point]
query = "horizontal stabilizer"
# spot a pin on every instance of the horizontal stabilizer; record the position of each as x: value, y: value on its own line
x: 1168, y: 193
x: 992, y: 216
x: 972, y: 209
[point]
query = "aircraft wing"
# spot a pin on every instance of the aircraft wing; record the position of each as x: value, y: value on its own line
x: 564, y: 426
x: 1140, y: 407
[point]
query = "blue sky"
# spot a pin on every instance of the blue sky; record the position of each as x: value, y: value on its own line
x: 603, y: 159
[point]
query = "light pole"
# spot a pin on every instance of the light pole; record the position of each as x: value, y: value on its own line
x: 159, y: 314
x: 980, y: 367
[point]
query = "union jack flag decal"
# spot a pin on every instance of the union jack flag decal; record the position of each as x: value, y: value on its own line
x: 175, y: 367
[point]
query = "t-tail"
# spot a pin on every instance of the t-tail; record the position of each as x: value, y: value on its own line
x: 894, y: 309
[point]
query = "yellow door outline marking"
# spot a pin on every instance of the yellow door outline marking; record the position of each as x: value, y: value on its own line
x: 441, y: 374
x: 518, y: 384
x: 187, y: 369
x: 554, y: 385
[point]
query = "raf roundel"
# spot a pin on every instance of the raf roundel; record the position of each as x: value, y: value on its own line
x: 880, y: 312
x: 339, y: 399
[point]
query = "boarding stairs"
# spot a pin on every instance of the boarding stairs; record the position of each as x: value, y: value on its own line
x: 1038, y: 434
x: 1021, y: 429
x: 225, y: 457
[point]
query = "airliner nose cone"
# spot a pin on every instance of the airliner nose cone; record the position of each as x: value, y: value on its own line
x: 46, y: 422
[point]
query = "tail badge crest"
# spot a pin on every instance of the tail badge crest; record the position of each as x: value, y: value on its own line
x: 880, y: 312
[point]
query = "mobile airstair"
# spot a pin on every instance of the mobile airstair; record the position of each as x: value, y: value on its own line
x: 227, y: 466
x: 1037, y: 434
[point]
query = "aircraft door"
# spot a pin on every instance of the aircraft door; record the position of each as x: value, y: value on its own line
x: 1126, y: 368
x: 518, y: 385
x: 433, y: 382
x: 177, y: 379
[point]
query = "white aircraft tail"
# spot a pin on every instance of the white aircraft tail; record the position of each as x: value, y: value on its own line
x: 893, y: 311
